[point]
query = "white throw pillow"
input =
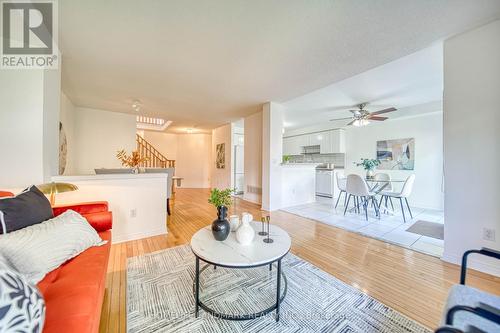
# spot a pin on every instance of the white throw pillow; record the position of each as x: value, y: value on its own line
x: 36, y: 250
x: 22, y: 307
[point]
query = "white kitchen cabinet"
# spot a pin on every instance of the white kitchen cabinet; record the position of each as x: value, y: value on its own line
x: 330, y: 142
x: 338, y: 141
x: 326, y: 143
x: 292, y: 145
x: 317, y: 139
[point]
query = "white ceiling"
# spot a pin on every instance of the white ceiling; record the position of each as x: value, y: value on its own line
x: 414, y: 80
x: 202, y: 63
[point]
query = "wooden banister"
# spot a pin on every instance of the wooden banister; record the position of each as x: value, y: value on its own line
x: 155, y: 158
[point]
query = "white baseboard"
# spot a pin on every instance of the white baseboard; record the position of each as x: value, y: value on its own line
x: 474, y: 263
x: 139, y: 235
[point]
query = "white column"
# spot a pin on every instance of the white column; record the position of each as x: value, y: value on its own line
x: 471, y: 153
x: 272, y: 152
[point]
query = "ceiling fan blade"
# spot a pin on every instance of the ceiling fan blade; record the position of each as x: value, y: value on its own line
x: 351, y: 122
x: 377, y: 118
x: 340, y: 119
x: 384, y: 111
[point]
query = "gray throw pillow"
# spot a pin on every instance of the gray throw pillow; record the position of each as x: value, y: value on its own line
x: 22, y: 308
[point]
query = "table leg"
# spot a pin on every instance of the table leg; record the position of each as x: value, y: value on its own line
x: 197, y: 287
x: 278, y: 292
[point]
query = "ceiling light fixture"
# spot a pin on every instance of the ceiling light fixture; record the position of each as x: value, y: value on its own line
x: 136, y: 105
x: 360, y: 122
x: 189, y: 130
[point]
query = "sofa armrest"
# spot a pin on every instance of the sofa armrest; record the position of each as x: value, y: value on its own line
x: 96, y: 213
x: 100, y: 221
x: 82, y: 208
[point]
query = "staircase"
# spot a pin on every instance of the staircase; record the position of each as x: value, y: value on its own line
x: 155, y: 158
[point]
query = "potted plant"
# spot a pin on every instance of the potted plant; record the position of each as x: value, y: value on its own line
x: 369, y: 165
x: 221, y: 199
x: 132, y: 161
x: 286, y: 158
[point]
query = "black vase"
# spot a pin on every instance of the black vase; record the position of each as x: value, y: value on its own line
x: 220, y: 227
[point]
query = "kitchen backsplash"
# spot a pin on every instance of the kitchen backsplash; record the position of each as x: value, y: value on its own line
x: 337, y: 159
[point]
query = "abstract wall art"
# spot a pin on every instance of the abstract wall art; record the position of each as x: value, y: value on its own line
x: 220, y: 152
x: 396, y: 154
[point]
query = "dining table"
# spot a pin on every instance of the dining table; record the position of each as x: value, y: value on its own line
x: 377, y: 186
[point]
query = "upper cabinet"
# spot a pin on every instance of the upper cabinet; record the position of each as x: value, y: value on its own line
x: 292, y: 146
x: 330, y: 142
x: 338, y: 141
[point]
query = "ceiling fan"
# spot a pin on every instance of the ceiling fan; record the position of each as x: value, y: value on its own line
x: 362, y: 117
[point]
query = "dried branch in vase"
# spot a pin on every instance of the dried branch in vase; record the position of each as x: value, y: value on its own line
x: 132, y: 161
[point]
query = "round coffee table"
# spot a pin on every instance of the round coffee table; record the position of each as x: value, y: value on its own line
x: 231, y: 254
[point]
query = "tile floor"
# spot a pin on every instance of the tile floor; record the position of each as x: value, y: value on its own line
x: 389, y: 228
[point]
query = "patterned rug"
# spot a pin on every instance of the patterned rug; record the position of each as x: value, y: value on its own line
x: 160, y: 298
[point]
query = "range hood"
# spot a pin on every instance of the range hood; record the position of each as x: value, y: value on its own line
x: 306, y: 150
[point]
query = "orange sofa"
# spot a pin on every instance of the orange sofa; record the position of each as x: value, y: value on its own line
x: 74, y: 292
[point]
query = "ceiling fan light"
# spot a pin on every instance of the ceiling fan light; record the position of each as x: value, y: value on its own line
x: 363, y: 122
x: 356, y: 123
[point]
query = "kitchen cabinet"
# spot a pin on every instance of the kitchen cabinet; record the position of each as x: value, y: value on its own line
x: 292, y: 146
x: 337, y: 141
x: 330, y: 142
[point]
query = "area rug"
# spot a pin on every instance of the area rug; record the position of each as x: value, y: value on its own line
x: 429, y: 229
x: 160, y: 298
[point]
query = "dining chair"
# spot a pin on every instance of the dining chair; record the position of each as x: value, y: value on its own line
x: 341, y: 183
x: 358, y: 189
x: 383, y: 180
x: 404, y: 194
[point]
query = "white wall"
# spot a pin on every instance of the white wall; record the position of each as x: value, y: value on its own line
x: 222, y: 178
x: 471, y: 142
x: 272, y: 152
x: 253, y: 157
x: 29, y: 118
x: 67, y: 119
x: 99, y: 135
x: 138, y: 202
x: 166, y: 143
x: 361, y: 142
x: 51, y: 114
x: 192, y: 154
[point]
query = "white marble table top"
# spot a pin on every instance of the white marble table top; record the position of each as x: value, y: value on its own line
x: 232, y: 253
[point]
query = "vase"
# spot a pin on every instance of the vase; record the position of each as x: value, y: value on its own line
x: 234, y: 222
x: 245, y: 233
x: 220, y: 226
x: 370, y: 174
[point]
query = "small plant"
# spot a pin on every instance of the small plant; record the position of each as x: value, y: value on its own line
x: 368, y: 164
x: 286, y: 158
x: 220, y: 198
x: 132, y: 161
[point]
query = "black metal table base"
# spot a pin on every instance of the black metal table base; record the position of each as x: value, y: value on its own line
x: 279, y: 296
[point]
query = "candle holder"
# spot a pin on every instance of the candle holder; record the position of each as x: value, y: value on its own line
x: 267, y: 239
x: 263, y: 222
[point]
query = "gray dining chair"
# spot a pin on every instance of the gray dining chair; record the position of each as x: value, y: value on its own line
x: 404, y: 194
x: 383, y: 180
x: 358, y: 189
x: 341, y: 183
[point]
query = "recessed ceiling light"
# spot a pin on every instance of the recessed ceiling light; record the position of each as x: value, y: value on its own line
x: 136, y: 105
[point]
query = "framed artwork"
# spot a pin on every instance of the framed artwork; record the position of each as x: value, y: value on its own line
x: 396, y: 154
x: 220, y: 152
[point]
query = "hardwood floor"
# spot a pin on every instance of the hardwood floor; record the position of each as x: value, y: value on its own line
x: 415, y: 284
